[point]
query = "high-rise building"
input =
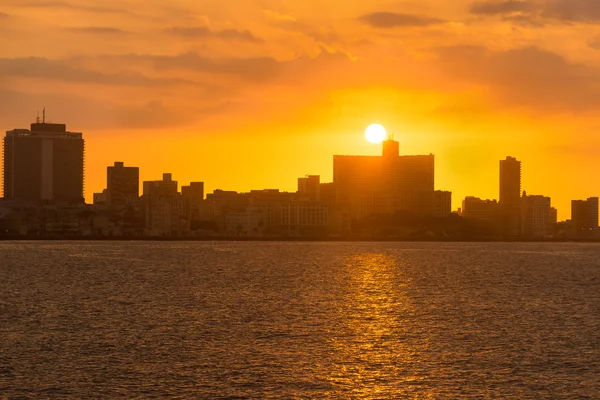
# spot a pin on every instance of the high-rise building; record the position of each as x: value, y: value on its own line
x: 593, y: 212
x: 367, y: 185
x: 510, y: 196
x: 193, y: 195
x: 535, y: 216
x: 123, y: 184
x: 44, y: 163
x: 310, y: 187
x: 584, y: 217
x: 164, y: 212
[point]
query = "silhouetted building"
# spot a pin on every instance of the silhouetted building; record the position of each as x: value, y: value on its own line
x: 310, y: 187
x: 123, y: 184
x: 443, y: 203
x: 304, y: 218
x: 535, y: 216
x: 481, y: 210
x: 101, y: 199
x: 593, y: 212
x: 367, y: 185
x: 164, y: 211
x: 193, y: 195
x: 584, y: 217
x: 510, y: 196
x: 44, y: 164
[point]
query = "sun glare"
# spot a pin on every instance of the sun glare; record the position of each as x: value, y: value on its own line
x: 376, y: 133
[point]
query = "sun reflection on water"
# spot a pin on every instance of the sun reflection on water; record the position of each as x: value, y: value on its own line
x: 373, y: 342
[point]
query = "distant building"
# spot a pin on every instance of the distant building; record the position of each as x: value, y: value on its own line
x: 304, y: 218
x: 44, y: 163
x: 510, y: 196
x: 248, y: 223
x: 164, y: 212
x: 443, y: 203
x: 536, y: 215
x: 481, y: 210
x: 193, y: 195
x: 584, y: 217
x: 123, y: 184
x: 367, y: 185
x: 101, y: 199
x: 310, y: 187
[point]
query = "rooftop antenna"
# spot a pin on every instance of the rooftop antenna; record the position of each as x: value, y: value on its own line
x: 44, y: 116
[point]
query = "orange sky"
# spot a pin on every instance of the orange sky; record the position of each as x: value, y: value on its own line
x: 251, y: 94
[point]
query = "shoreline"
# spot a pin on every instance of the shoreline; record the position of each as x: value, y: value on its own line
x: 287, y: 239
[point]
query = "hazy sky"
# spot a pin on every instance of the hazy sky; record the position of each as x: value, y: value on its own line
x: 251, y: 94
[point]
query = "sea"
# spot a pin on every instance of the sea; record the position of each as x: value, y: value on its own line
x: 299, y: 320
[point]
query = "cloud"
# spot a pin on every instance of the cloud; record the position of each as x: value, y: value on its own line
x: 65, y: 71
x: 503, y: 7
x: 102, y: 30
x: 525, y: 77
x: 289, y: 23
x: 78, y: 7
x: 3, y: 15
x: 258, y: 68
x: 396, y: 20
x: 206, y: 32
x: 573, y: 10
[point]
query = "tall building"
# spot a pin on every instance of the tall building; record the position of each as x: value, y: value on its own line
x: 367, y: 185
x: 593, y: 212
x: 123, y: 184
x: 310, y: 187
x: 443, y: 203
x: 44, y: 163
x: 510, y: 196
x: 584, y: 217
x: 164, y: 212
x: 536, y: 214
x: 193, y: 195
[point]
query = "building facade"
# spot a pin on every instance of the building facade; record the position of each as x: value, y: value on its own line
x: 536, y: 216
x: 584, y: 217
x: 386, y: 184
x: 510, y: 196
x: 480, y: 210
x: 122, y: 185
x: 163, y: 207
x: 443, y: 203
x: 45, y: 163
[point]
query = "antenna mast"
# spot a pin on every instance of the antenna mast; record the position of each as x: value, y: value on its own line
x: 44, y: 116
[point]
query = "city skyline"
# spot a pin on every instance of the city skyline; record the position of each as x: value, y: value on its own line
x: 45, y: 128
x: 273, y: 83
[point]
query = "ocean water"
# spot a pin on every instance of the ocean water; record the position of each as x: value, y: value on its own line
x: 225, y: 320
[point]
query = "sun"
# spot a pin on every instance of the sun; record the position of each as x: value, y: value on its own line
x: 375, y: 133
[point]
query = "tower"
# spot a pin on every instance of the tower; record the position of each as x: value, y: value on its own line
x: 510, y: 196
x: 44, y: 163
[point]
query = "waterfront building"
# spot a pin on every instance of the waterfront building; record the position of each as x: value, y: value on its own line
x: 44, y: 163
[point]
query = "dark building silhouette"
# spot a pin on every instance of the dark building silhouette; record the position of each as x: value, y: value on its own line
x: 367, y: 185
x: 443, y: 203
x: 536, y: 216
x: 123, y: 184
x: 45, y: 163
x: 480, y: 210
x: 584, y: 217
x: 310, y: 187
x: 193, y: 195
x: 510, y: 196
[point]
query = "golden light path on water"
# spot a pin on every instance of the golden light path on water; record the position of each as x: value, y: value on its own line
x: 377, y: 344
